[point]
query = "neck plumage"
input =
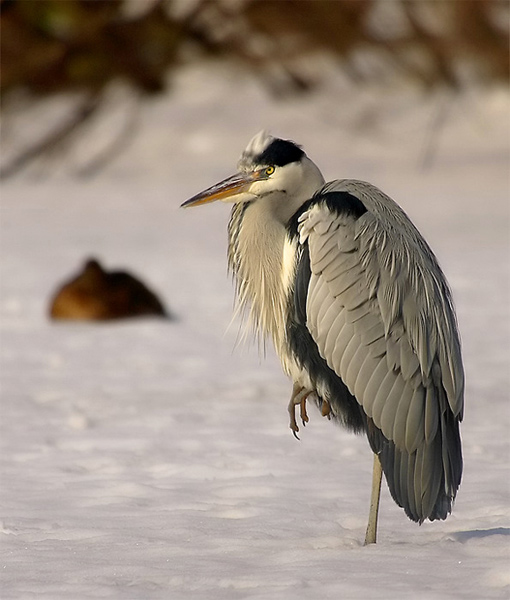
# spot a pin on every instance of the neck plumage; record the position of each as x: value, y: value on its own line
x: 256, y: 247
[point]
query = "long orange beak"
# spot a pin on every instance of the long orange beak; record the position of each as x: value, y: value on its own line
x: 237, y: 184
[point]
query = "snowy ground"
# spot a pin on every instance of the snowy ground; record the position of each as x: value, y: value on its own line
x: 149, y: 459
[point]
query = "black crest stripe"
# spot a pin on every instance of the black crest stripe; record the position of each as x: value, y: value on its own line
x: 280, y: 153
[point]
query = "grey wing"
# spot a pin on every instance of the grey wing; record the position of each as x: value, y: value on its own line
x: 380, y: 312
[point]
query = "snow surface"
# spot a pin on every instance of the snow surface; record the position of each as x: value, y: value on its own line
x: 152, y: 459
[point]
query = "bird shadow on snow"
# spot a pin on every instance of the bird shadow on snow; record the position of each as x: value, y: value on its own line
x: 466, y: 536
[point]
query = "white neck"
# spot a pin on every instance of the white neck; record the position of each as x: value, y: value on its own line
x: 257, y: 242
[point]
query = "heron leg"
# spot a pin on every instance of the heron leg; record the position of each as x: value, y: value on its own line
x: 371, y: 535
x: 299, y: 396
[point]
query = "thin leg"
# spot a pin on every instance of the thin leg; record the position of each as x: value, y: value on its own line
x: 371, y: 535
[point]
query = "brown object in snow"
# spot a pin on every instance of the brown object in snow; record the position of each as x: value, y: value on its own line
x: 96, y: 294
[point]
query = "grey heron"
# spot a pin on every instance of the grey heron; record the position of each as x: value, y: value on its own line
x: 360, y: 314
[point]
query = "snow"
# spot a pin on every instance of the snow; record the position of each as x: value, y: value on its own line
x: 152, y: 459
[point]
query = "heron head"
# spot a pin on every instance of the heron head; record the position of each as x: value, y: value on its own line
x: 268, y: 167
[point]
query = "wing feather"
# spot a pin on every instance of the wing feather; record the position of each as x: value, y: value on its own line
x: 366, y: 373
x: 356, y: 314
x: 372, y: 331
x: 325, y: 256
x: 431, y: 415
x: 326, y: 318
x: 381, y: 398
x: 396, y: 473
x: 351, y: 277
x: 409, y: 363
x: 381, y: 314
x: 400, y: 420
x: 317, y: 290
x: 343, y: 262
x: 411, y: 494
x: 373, y: 384
x: 393, y: 343
x: 356, y: 363
x: 377, y: 347
x: 338, y: 337
x: 397, y: 398
x: 347, y: 351
x: 413, y: 431
x: 321, y: 299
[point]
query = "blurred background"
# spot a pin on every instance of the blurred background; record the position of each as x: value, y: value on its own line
x: 152, y: 100
x: 112, y: 56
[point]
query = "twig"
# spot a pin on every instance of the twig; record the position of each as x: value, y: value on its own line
x: 55, y: 138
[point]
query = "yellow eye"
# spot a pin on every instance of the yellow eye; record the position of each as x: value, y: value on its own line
x: 269, y: 171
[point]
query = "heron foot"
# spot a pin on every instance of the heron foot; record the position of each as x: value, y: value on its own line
x: 326, y: 409
x: 299, y: 396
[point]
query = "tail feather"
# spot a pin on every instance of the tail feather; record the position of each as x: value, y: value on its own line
x: 425, y: 482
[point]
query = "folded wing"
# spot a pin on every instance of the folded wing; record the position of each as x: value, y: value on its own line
x: 380, y: 312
